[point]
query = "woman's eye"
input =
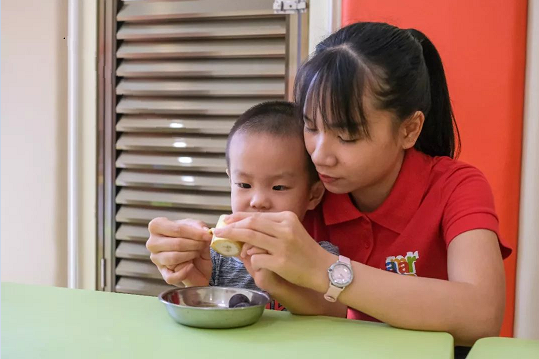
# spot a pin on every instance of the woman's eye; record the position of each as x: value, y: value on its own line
x: 310, y: 129
x: 279, y: 188
x: 243, y: 185
x: 347, y: 140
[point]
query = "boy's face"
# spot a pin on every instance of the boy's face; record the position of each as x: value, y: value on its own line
x: 269, y: 174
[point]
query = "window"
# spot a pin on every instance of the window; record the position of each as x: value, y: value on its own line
x: 174, y: 76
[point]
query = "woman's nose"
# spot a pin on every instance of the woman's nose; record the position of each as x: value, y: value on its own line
x: 323, y: 156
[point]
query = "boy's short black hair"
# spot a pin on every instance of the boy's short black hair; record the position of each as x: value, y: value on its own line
x: 277, y: 118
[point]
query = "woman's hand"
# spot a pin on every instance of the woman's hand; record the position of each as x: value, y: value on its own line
x: 181, y: 251
x: 290, y: 251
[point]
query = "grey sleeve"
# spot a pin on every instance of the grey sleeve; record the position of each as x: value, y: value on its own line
x: 230, y: 272
x: 329, y: 247
x: 215, y: 264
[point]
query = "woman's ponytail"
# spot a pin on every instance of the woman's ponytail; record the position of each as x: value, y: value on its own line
x: 399, y: 69
x: 440, y: 135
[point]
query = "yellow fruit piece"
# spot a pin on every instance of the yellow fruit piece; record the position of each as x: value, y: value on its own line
x: 225, y: 246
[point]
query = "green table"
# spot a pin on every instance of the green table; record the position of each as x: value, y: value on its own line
x: 504, y: 348
x: 47, y: 322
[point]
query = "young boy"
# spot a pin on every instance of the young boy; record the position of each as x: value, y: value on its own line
x: 269, y: 171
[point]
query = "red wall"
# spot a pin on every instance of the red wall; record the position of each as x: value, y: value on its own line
x: 484, y: 51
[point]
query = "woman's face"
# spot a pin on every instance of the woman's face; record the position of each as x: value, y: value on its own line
x: 356, y: 165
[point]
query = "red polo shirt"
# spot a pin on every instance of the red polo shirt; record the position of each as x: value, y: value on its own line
x: 434, y: 199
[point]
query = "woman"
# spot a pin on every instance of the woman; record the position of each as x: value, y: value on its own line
x: 418, y: 228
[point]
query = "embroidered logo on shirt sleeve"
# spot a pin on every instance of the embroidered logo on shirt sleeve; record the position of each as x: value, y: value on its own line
x: 403, y: 265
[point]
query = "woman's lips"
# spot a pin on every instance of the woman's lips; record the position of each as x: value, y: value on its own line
x: 326, y: 179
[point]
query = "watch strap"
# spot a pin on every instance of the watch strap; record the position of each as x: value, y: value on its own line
x: 333, y: 291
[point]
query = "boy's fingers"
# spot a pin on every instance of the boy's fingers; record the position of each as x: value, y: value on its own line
x: 205, y: 252
x: 175, y: 278
x: 256, y: 250
x: 182, y: 273
x: 245, y: 248
x: 180, y: 266
x: 262, y: 261
x: 172, y: 258
x: 186, y: 228
x: 167, y: 244
x: 195, y: 223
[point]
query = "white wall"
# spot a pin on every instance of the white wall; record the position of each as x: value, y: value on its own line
x: 33, y: 142
x: 527, y: 281
x: 88, y: 113
x: 324, y: 19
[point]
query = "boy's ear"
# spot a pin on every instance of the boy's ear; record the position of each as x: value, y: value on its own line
x: 317, y: 192
x: 228, y: 174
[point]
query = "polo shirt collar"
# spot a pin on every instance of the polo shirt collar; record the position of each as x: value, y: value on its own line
x: 401, y: 204
x: 338, y: 208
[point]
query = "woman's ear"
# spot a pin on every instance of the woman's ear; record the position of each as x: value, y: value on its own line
x: 317, y: 192
x: 410, y: 129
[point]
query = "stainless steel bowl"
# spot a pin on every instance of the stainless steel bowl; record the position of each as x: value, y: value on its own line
x: 207, y: 307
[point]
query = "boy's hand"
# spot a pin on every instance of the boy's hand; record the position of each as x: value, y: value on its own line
x: 249, y: 250
x: 181, y: 251
x: 264, y: 279
x: 194, y: 273
x: 291, y: 252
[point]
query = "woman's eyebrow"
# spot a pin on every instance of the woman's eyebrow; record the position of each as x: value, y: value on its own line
x: 307, y: 119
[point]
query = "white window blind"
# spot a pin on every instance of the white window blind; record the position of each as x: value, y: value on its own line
x: 182, y: 72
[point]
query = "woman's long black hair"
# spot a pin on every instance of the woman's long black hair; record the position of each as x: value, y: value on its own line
x: 400, y: 69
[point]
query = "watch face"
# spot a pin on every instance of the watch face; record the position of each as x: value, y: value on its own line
x: 341, y: 275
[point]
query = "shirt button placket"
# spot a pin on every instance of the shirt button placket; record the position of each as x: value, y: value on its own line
x: 368, y: 240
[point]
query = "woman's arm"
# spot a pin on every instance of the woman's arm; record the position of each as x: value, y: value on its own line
x: 305, y: 301
x: 469, y: 305
x: 296, y: 299
x: 300, y: 300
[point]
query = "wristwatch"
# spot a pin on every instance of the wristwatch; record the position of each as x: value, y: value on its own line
x: 340, y: 276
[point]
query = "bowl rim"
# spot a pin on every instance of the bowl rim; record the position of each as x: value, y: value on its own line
x: 162, y: 300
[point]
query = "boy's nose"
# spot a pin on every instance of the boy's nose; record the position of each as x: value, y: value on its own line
x: 260, y: 202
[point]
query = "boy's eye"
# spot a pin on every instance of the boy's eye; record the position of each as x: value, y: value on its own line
x: 310, y: 129
x: 279, y: 188
x: 243, y: 185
